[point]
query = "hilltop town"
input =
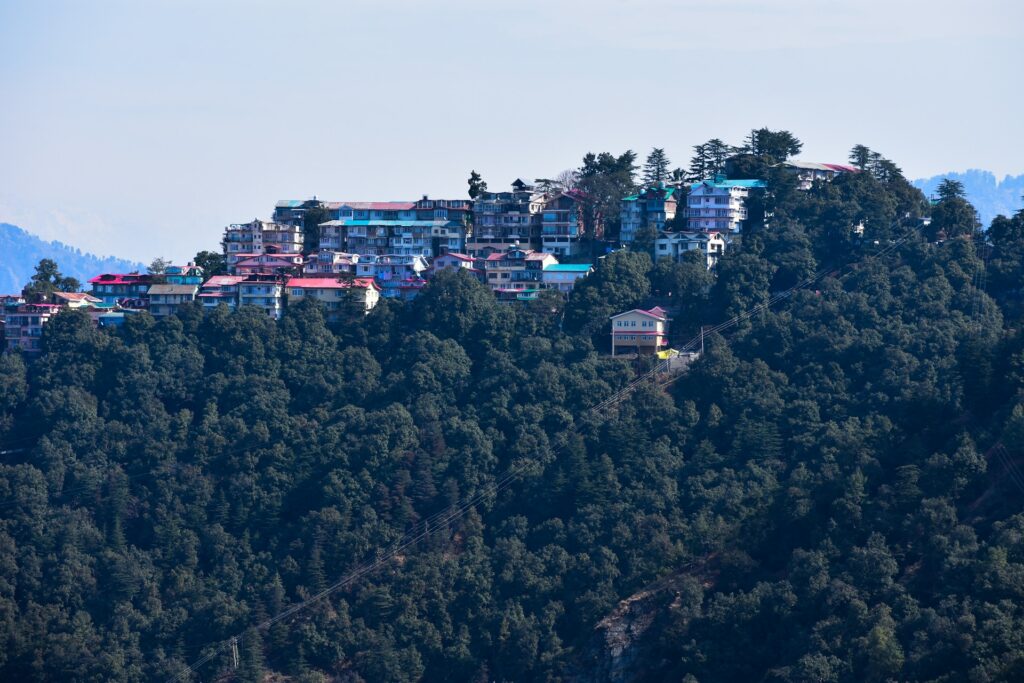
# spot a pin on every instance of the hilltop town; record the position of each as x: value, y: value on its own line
x: 534, y: 238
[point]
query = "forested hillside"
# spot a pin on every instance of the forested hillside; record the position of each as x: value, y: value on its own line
x: 831, y: 493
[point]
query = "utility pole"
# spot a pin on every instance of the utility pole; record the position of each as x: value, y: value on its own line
x: 234, y: 653
x: 701, y: 340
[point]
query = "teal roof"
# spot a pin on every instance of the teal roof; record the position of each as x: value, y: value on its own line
x: 569, y: 268
x: 732, y: 183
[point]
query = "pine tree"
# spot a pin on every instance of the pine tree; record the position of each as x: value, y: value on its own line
x: 477, y: 186
x: 656, y: 168
x: 860, y: 156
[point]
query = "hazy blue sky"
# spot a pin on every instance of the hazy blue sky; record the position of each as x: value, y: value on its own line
x: 141, y: 127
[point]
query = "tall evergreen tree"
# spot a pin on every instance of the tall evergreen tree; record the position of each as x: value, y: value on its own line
x: 477, y: 186
x: 656, y: 168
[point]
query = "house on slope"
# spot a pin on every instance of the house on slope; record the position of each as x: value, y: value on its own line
x: 640, y: 331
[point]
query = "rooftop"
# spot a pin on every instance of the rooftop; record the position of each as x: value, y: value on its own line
x: 330, y: 283
x: 568, y: 268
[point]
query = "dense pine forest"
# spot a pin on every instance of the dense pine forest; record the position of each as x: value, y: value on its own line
x: 833, y: 492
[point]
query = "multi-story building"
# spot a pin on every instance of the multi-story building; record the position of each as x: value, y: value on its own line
x: 808, y: 172
x: 639, y: 331
x: 503, y: 220
x: 651, y: 207
x: 341, y: 297
x: 263, y: 291
x: 220, y: 289
x: 391, y: 267
x: 326, y: 262
x: 515, y: 270
x: 265, y: 264
x: 719, y: 204
x: 23, y: 325
x: 262, y: 237
x: 562, y: 224
x: 674, y: 245
x: 563, y: 276
x: 293, y: 211
x: 165, y: 300
x: 189, y: 274
x: 128, y: 289
x: 452, y: 260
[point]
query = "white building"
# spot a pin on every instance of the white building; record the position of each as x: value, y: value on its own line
x: 719, y: 204
x: 808, y: 171
x: 262, y: 237
x: 674, y: 245
x: 325, y: 262
x: 263, y: 291
x: 563, y: 276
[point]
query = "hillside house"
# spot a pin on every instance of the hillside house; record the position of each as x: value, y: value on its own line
x: 516, y: 270
x: 220, y: 289
x: 452, y: 260
x: 166, y: 299
x: 719, y: 204
x: 113, y: 288
x: 265, y: 264
x: 563, y: 276
x: 674, y: 245
x: 261, y: 237
x: 341, y: 297
x: 328, y: 263
x: 651, y: 207
x: 562, y: 224
x: 189, y: 274
x: 639, y: 331
x: 23, y: 326
x: 263, y: 291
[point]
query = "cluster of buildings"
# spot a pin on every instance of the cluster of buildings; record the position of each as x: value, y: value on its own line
x: 349, y: 255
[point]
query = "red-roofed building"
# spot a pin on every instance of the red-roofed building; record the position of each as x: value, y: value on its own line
x: 341, y: 297
x: 220, y: 289
x: 516, y: 269
x: 111, y: 288
x: 809, y: 171
x: 452, y: 260
x: 639, y: 331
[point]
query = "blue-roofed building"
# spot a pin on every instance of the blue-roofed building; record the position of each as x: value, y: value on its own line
x: 719, y: 204
x: 563, y: 276
x: 651, y: 207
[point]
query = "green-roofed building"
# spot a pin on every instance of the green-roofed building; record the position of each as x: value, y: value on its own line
x: 651, y: 207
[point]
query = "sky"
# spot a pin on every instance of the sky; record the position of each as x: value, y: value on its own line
x: 141, y: 128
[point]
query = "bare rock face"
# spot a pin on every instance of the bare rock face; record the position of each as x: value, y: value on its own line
x: 618, y: 652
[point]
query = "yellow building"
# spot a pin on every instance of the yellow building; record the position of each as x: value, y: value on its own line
x: 639, y: 331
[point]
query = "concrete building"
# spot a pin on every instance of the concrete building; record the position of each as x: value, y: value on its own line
x: 326, y: 262
x: 562, y: 224
x: 651, y: 207
x: 454, y: 261
x: 503, y: 220
x: 341, y: 297
x: 165, y: 300
x: 674, y: 245
x: 639, y: 331
x: 515, y: 271
x: 391, y: 267
x: 220, y: 289
x: 129, y: 289
x: 262, y: 237
x: 719, y: 204
x: 563, y: 276
x: 265, y: 264
x: 23, y: 326
x: 263, y: 291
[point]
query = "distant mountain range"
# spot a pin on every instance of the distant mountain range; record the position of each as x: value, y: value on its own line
x: 21, y: 251
x: 990, y: 197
